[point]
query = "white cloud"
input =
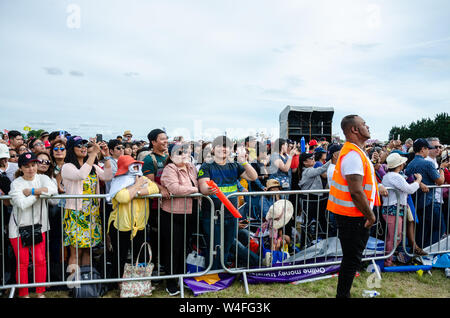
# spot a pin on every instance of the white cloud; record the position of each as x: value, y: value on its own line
x: 234, y: 65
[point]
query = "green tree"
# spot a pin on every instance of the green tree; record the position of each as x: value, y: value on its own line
x: 424, y: 128
x: 34, y: 133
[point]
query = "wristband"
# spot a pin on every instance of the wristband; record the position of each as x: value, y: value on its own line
x: 244, y: 163
x: 32, y: 191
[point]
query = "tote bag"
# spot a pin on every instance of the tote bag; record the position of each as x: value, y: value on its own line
x: 136, y: 288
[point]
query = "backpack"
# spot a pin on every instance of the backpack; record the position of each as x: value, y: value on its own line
x: 89, y: 290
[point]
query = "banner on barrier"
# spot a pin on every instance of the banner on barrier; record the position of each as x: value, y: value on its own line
x: 291, y: 275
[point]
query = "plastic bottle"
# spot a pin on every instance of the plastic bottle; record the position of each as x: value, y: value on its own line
x: 302, y: 144
x: 370, y: 293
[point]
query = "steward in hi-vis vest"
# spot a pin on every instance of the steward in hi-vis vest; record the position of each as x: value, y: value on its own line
x: 340, y: 200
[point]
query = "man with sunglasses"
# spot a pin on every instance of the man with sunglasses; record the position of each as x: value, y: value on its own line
x: 36, y: 146
x: 116, y: 149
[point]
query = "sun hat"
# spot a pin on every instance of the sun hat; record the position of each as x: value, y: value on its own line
x: 4, y: 151
x: 127, y: 132
x: 280, y: 213
x: 123, y: 162
x: 272, y: 183
x: 394, y: 160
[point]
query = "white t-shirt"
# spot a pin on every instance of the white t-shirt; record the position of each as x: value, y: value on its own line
x: 353, y: 164
x: 330, y: 172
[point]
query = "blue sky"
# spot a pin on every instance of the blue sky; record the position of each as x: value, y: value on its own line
x: 198, y: 67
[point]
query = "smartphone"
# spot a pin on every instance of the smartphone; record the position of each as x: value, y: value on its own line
x: 99, y: 137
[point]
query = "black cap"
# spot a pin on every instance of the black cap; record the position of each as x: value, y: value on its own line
x: 45, y: 133
x: 305, y: 155
x: 420, y: 143
x: 332, y: 149
x: 26, y: 158
x: 73, y: 141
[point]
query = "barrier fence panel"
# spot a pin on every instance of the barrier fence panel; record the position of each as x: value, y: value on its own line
x: 310, y: 237
x: 305, y: 237
x: 95, y: 237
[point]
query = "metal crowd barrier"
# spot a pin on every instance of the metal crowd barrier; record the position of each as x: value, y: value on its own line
x: 313, y: 234
x: 312, y: 231
x: 100, y: 257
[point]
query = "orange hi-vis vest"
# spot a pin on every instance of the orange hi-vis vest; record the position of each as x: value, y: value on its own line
x: 340, y: 200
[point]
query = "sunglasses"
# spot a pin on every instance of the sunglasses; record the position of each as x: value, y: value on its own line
x: 13, y: 156
x: 119, y: 148
x: 38, y: 144
x: 81, y: 146
x: 181, y: 152
x: 44, y: 162
x: 59, y: 148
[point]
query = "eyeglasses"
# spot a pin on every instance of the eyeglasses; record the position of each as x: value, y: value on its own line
x: 59, y: 148
x: 81, y: 146
x: 44, y: 162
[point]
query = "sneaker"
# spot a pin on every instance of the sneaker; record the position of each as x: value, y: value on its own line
x: 172, y: 291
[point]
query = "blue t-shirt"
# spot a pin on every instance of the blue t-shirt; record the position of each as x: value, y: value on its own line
x: 429, y: 174
x: 226, y: 177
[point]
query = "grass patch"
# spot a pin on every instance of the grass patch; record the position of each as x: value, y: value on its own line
x: 392, y: 285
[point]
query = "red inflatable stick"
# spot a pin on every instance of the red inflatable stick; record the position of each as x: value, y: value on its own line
x: 224, y: 199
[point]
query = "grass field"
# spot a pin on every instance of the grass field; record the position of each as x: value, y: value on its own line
x: 392, y: 285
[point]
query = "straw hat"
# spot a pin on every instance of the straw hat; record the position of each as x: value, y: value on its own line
x: 395, y: 160
x: 272, y: 183
x: 281, y: 213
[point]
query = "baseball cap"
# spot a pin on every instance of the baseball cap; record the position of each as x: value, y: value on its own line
x: 313, y: 142
x: 332, y: 149
x: 26, y: 158
x: 305, y: 155
x: 320, y: 149
x: 420, y: 143
x: 75, y: 141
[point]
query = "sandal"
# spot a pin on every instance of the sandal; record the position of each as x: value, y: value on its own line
x: 419, y: 251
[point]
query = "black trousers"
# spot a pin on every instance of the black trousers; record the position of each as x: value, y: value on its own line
x: 353, y: 237
x: 175, y: 234
x: 121, y: 243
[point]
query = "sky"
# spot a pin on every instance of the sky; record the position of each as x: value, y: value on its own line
x: 199, y: 68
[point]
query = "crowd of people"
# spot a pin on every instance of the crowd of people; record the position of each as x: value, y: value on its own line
x: 125, y: 170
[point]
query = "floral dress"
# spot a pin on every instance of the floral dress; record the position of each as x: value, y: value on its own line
x: 83, y: 228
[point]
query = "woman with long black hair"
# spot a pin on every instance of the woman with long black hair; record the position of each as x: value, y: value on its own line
x: 80, y: 175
